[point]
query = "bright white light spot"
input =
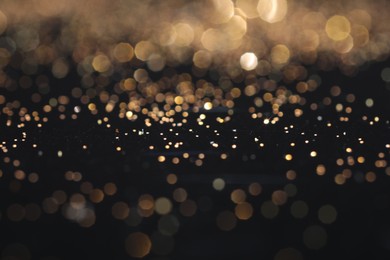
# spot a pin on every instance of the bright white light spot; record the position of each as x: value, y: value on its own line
x: 208, y: 105
x: 248, y: 61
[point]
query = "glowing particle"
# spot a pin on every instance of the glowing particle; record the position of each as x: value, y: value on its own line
x: 123, y: 52
x: 208, y: 105
x: 369, y: 102
x: 248, y: 61
x: 171, y: 178
x: 163, y: 206
x: 280, y: 54
x: 138, y: 245
x: 218, y: 184
x: 321, y: 170
x: 272, y: 11
x: 255, y: 189
x: 238, y: 196
x: 243, y: 211
x: 101, y: 63
x: 338, y: 27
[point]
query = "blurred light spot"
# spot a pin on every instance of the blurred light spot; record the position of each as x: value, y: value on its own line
x: 243, y: 211
x: 280, y: 54
x: 255, y: 189
x: 120, y: 210
x: 188, y: 208
x: 279, y: 197
x: 248, y: 61
x: 156, y: 62
x: 138, y: 245
x: 202, y: 59
x: 223, y: 11
x: 369, y: 102
x: 343, y: 46
x: 249, y: 7
x: 185, y: 34
x: 238, y: 196
x: 101, y: 63
x: 143, y: 50
x: 50, y: 205
x: 110, y: 189
x: 123, y: 52
x: 272, y: 11
x: 180, y: 195
x: 208, y: 105
x: 320, y: 170
x: 163, y: 206
x: 60, y: 68
x: 171, y: 178
x: 235, y: 29
x: 218, y: 184
x: 291, y: 175
x: 338, y: 27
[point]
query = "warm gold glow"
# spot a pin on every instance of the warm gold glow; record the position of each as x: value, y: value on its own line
x: 248, y: 7
x: 272, y: 11
x: 280, y: 54
x: 338, y: 27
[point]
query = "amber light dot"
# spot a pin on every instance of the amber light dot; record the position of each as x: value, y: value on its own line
x: 338, y: 27
x: 244, y: 211
x: 138, y: 245
x: 123, y: 52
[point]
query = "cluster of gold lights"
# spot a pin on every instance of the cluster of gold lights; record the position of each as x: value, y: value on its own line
x: 261, y: 44
x: 263, y: 36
